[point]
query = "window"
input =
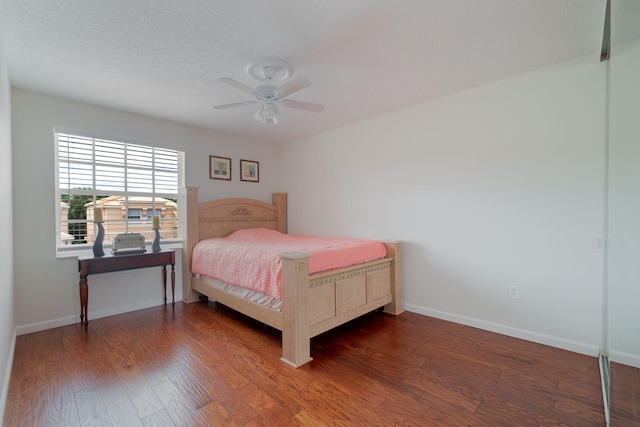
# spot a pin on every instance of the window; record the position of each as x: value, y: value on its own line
x: 134, y: 213
x: 154, y: 212
x: 128, y: 182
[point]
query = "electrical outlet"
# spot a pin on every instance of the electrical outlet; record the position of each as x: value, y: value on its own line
x: 513, y: 292
x: 127, y: 279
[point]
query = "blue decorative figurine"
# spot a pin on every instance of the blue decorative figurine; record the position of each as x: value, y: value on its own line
x: 97, y: 243
x: 156, y: 228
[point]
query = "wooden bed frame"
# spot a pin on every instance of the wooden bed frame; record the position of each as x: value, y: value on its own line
x: 311, y: 304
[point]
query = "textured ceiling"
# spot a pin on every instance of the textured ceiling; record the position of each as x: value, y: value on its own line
x: 364, y: 58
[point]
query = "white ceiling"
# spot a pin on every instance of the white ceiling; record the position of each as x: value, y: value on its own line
x: 365, y: 58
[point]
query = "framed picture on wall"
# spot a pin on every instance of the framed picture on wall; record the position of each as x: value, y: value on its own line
x: 219, y: 168
x: 249, y: 171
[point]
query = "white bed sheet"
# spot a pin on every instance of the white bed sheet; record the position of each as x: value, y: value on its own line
x: 248, y: 294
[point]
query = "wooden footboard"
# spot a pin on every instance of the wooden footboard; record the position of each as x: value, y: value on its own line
x: 311, y: 304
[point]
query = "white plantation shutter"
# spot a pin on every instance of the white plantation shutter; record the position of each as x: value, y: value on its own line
x: 115, y: 168
x: 95, y: 168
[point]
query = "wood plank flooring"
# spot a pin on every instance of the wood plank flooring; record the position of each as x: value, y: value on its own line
x: 202, y: 364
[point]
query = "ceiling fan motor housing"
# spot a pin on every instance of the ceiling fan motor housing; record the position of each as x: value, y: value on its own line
x: 266, y: 91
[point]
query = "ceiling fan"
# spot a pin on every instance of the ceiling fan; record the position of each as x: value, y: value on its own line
x: 269, y: 96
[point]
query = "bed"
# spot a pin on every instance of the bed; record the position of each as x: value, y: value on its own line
x: 310, y: 303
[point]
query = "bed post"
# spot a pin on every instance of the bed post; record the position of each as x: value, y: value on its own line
x: 280, y: 202
x: 296, y: 345
x: 394, y: 250
x: 191, y: 238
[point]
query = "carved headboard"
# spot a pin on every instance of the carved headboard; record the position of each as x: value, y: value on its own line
x: 219, y: 218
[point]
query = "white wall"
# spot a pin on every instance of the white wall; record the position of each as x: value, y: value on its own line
x: 46, y: 288
x: 624, y: 213
x: 500, y: 185
x: 7, y: 337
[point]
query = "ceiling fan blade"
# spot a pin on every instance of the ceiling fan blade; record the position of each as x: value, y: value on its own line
x: 302, y: 105
x: 239, y: 85
x: 235, y: 104
x: 291, y: 86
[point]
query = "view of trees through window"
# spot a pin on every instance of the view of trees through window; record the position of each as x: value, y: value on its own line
x: 77, y: 225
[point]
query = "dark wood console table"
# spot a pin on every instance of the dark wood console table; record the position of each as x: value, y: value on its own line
x: 109, y: 263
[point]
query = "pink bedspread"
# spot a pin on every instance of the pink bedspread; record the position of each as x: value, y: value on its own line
x: 249, y: 258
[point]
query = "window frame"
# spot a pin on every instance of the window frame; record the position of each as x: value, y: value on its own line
x: 67, y: 250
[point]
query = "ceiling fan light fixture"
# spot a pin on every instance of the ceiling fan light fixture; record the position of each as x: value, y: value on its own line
x: 268, y: 113
x: 259, y: 116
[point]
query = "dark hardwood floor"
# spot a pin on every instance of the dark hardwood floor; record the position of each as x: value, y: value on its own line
x: 203, y: 364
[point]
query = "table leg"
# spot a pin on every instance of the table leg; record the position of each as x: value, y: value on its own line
x: 173, y: 284
x: 164, y: 283
x: 84, y: 300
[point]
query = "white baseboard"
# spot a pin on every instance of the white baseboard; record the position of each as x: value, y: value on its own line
x: 64, y: 321
x: 565, y: 344
x: 624, y: 358
x: 7, y: 375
